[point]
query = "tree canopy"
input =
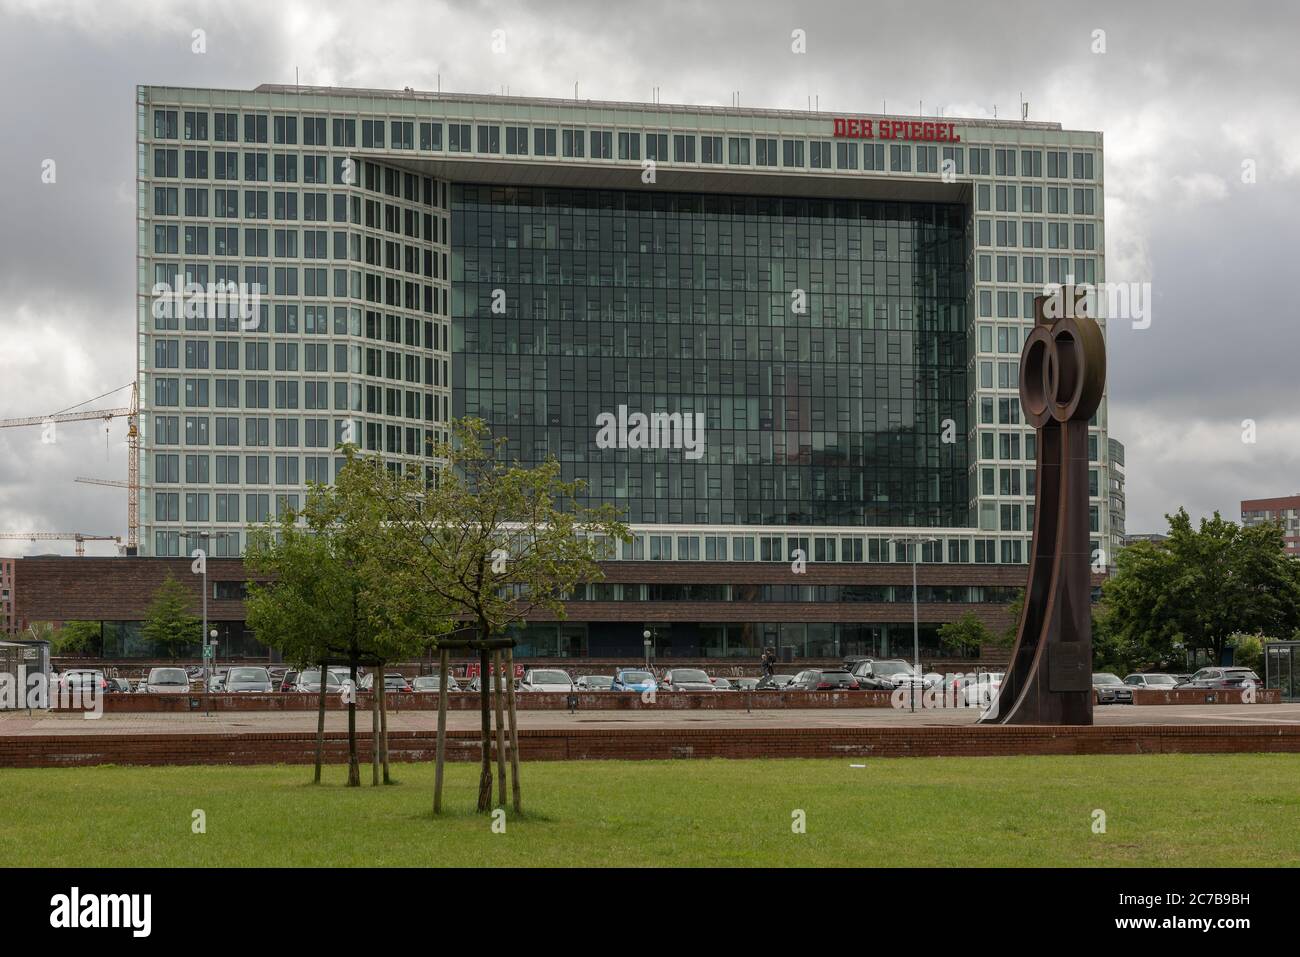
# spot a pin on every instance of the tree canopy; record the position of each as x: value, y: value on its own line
x: 1198, y: 588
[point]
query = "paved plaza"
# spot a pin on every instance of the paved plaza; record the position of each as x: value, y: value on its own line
x: 191, y: 723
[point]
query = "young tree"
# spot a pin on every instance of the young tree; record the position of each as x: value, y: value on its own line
x: 321, y: 601
x: 168, y: 621
x: 964, y: 634
x: 490, y: 541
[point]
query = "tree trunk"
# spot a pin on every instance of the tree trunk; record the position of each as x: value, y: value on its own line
x: 374, y: 727
x: 501, y: 729
x: 354, y: 766
x: 442, y: 731
x: 485, y: 735
x: 383, y: 731
x: 320, y: 727
x: 514, y: 731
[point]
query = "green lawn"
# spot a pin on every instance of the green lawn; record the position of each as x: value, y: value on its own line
x: 1172, y: 810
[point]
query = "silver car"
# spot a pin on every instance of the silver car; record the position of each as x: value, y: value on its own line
x: 595, y: 683
x: 1156, y: 682
x: 254, y: 680
x: 427, y: 683
x: 167, y: 681
x: 547, y: 679
x: 309, y: 682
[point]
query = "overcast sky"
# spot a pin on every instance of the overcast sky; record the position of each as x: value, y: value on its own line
x: 1185, y: 93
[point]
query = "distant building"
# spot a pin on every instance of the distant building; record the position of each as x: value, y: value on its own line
x: 7, y: 623
x: 1285, y: 510
x: 1115, y: 498
x: 1145, y: 537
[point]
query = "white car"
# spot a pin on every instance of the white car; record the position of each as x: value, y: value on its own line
x: 982, y: 690
x: 547, y: 679
x: 167, y: 681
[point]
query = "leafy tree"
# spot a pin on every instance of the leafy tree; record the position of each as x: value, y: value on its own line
x: 77, y: 638
x: 318, y: 603
x: 168, y: 621
x: 1199, y: 587
x: 1248, y: 651
x: 966, y: 633
x: 1006, y: 638
x: 490, y: 541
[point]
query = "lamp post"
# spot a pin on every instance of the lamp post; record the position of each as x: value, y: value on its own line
x: 913, y: 542
x: 200, y: 567
x: 648, y: 637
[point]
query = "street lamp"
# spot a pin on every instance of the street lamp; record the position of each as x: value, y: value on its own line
x: 200, y: 567
x: 648, y: 635
x: 913, y: 541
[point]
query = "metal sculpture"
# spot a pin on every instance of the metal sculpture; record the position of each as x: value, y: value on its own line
x: 1062, y: 375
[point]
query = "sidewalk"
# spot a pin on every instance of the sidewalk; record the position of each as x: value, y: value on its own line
x: 192, y: 723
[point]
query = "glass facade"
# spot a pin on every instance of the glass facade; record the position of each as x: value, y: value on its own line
x: 824, y: 343
x: 736, y: 639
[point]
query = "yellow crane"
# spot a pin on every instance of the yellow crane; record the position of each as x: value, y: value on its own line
x: 132, y: 415
x: 78, y: 537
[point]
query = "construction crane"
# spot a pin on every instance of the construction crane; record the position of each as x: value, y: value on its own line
x: 132, y: 484
x: 77, y: 537
x: 113, y: 483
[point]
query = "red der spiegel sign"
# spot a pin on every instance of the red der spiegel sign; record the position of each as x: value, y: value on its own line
x: 925, y: 131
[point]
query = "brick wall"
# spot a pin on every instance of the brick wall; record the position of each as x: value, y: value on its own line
x: 602, y: 701
x: 658, y: 743
x: 524, y: 701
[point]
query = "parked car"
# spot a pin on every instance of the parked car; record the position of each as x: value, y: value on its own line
x: 309, y: 682
x: 1108, y: 689
x: 547, y: 679
x: 1158, y: 682
x: 634, y: 679
x: 685, y: 679
x: 81, y: 680
x: 595, y: 683
x: 217, y: 680
x: 393, y: 681
x: 886, y: 674
x: 289, y: 682
x: 168, y: 681
x: 277, y: 676
x: 824, y: 679
x: 774, y: 683
x: 1223, y: 679
x: 722, y: 684
x: 427, y: 683
x: 119, y: 686
x: 247, y: 680
x: 981, y: 690
x: 746, y: 684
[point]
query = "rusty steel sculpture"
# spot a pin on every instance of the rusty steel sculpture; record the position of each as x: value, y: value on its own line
x: 1062, y: 375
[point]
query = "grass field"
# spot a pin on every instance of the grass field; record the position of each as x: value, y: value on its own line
x: 1164, y: 810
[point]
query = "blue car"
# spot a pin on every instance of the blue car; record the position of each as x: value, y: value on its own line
x: 634, y: 679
